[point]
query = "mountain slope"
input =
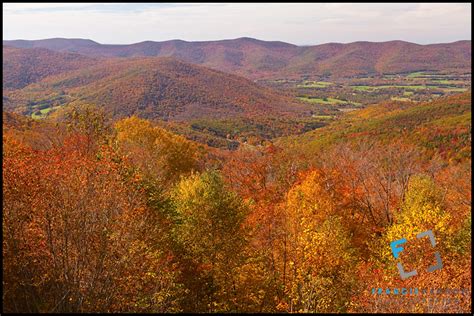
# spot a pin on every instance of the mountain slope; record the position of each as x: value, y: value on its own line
x: 256, y: 59
x: 162, y: 88
x: 388, y: 57
x: 443, y: 125
x: 22, y: 67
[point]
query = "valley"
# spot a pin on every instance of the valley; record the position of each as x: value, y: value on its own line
x: 360, y: 91
x: 182, y: 96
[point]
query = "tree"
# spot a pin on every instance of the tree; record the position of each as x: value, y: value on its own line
x: 421, y: 210
x: 209, y: 229
x: 321, y: 257
x: 88, y: 120
x: 156, y: 152
x: 75, y: 235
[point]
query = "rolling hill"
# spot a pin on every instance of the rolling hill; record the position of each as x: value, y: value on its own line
x: 154, y: 88
x: 261, y: 59
x: 22, y: 67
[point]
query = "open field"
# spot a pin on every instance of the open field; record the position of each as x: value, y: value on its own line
x: 314, y: 84
x: 372, y: 88
x: 361, y: 91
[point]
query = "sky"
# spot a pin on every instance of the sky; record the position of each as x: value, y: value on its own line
x: 296, y: 23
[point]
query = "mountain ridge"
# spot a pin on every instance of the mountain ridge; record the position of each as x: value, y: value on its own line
x: 257, y: 59
x: 243, y: 38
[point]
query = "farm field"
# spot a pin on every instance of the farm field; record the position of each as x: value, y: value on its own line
x: 360, y: 91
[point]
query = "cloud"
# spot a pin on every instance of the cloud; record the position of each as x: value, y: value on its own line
x: 300, y: 23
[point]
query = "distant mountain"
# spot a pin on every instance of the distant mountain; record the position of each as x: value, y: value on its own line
x: 386, y: 57
x: 22, y: 67
x: 59, y: 44
x: 157, y: 87
x: 256, y: 59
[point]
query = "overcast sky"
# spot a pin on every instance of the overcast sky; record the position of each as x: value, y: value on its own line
x: 301, y: 24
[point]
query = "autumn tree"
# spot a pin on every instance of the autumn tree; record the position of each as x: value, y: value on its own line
x: 156, y: 152
x: 320, y: 257
x: 86, y: 119
x: 209, y: 231
x: 75, y: 235
x: 423, y: 209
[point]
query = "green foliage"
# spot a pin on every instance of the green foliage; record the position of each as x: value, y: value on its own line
x: 253, y: 131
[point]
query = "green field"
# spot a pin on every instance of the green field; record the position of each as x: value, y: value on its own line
x: 328, y: 101
x: 417, y: 74
x: 43, y: 112
x: 400, y: 99
x: 416, y: 86
x: 372, y: 88
x: 454, y: 89
x: 314, y: 84
x: 447, y: 81
x: 280, y: 81
x: 323, y: 117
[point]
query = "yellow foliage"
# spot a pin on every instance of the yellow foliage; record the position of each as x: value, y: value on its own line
x: 421, y: 211
x: 157, y: 152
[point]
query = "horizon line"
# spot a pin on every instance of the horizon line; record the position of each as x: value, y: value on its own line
x: 233, y: 39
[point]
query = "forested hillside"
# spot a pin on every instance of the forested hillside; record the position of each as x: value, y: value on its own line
x: 162, y: 88
x: 123, y: 215
x: 439, y: 127
x: 22, y: 67
x: 264, y: 59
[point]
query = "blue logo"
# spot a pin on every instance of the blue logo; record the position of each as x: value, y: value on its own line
x: 396, y: 249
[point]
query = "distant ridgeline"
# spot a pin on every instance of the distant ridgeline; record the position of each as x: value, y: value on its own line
x: 255, y: 58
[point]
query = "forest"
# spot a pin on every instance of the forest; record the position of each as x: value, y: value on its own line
x: 157, y: 159
x: 107, y: 214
